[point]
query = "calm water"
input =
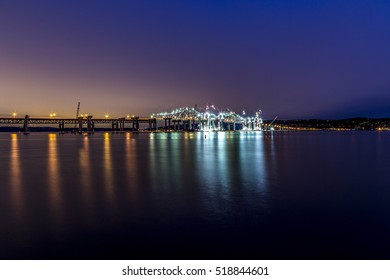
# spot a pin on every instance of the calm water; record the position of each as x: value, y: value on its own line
x: 290, y: 195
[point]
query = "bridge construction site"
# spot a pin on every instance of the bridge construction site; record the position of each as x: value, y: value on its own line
x: 180, y: 119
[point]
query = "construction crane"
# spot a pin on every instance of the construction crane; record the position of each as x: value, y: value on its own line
x: 77, y: 116
x: 271, y: 128
x: 78, y: 110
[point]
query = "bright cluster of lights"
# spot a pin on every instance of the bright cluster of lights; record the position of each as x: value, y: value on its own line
x: 212, y: 119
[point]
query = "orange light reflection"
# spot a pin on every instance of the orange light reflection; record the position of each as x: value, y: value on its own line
x: 15, y: 176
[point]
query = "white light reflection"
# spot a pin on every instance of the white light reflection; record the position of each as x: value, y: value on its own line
x: 223, y: 160
x: 157, y: 164
x: 207, y: 160
x: 260, y: 169
x: 152, y: 160
x: 175, y: 164
x: 252, y: 163
x: 232, y: 165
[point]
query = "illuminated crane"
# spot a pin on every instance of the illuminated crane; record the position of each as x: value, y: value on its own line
x: 271, y: 127
x: 213, y: 119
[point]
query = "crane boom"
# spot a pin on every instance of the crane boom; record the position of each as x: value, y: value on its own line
x: 273, y: 120
x: 78, y: 110
x: 77, y: 116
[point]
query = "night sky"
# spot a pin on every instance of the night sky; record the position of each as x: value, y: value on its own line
x: 294, y: 59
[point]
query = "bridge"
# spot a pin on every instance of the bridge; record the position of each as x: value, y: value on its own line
x: 81, y: 124
x: 180, y: 119
x: 210, y: 119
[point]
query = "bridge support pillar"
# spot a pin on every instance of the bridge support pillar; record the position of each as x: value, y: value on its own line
x: 25, y: 124
x: 80, y: 121
x: 154, y: 124
x: 185, y: 125
x: 167, y: 120
x: 90, y: 126
x: 61, y: 126
x: 121, y: 123
x: 135, y: 124
x: 114, y: 126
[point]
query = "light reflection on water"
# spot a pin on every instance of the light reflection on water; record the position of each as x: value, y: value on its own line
x: 86, y: 175
x: 131, y: 168
x: 108, y: 169
x: 54, y: 179
x: 128, y: 190
x: 16, y: 176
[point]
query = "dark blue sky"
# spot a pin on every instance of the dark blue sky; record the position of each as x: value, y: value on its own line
x: 295, y: 59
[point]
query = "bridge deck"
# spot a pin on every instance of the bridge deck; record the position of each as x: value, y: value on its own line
x: 72, y: 121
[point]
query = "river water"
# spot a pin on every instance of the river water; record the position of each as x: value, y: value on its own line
x: 225, y: 195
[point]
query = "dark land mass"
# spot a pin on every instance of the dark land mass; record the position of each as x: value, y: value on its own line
x: 350, y: 124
